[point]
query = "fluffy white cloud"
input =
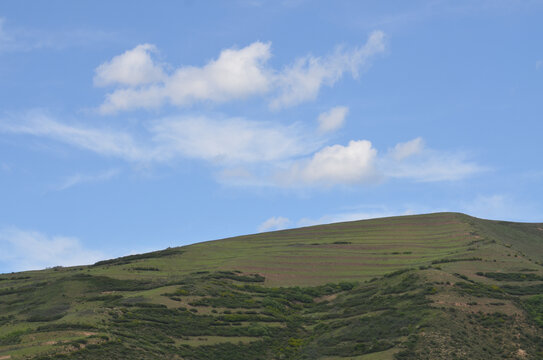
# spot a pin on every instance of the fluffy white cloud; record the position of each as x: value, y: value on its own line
x: 336, y: 164
x: 303, y: 80
x: 133, y: 67
x: 32, y: 250
x: 332, y: 119
x: 274, y: 223
x: 235, y: 74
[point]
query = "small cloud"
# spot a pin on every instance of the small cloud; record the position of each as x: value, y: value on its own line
x: 406, y: 149
x: 336, y: 164
x: 132, y: 68
x: 332, y: 119
x: 274, y: 223
x: 4, y: 167
x: 539, y: 64
x: 411, y: 160
x: 31, y: 250
x: 82, y: 178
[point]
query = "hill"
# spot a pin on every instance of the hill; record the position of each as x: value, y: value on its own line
x: 435, y: 286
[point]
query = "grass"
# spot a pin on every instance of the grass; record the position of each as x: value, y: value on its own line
x: 436, y: 286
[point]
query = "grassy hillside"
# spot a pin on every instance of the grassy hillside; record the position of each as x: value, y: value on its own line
x: 436, y: 286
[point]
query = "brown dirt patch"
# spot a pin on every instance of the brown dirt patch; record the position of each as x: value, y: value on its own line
x: 87, y: 333
x: 5, y: 357
x: 326, y: 298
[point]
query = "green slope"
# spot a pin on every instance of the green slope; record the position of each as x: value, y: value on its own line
x: 436, y: 286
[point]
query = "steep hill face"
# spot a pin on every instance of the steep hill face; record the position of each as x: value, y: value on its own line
x: 436, y: 286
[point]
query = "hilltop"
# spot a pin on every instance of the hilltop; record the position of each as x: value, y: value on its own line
x: 435, y: 286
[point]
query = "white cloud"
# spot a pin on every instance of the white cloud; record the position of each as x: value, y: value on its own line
x: 274, y: 223
x: 227, y: 141
x: 412, y: 160
x: 336, y: 164
x: 105, y: 142
x: 32, y: 250
x: 5, y: 167
x: 133, y: 67
x: 332, y: 119
x: 86, y: 178
x: 6, y: 41
x: 235, y: 74
x: 253, y: 152
x: 406, y: 149
x: 303, y: 80
x: 3, y: 35
x: 231, y: 140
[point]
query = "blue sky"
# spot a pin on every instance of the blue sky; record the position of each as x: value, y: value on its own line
x: 129, y: 127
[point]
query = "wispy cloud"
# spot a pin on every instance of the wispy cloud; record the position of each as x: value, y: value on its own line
x: 87, y: 178
x: 19, y: 39
x: 349, y: 216
x: 32, y: 250
x: 360, y: 212
x: 413, y: 160
x: 502, y: 207
x: 231, y: 141
x: 303, y: 80
x: 237, y: 73
x: 224, y: 141
x: 332, y: 119
x: 254, y: 152
x: 107, y: 142
x: 274, y: 223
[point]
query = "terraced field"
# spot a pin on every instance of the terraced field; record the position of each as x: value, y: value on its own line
x: 314, y: 255
x: 436, y: 286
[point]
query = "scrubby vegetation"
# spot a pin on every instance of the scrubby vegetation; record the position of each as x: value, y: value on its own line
x: 461, y: 297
